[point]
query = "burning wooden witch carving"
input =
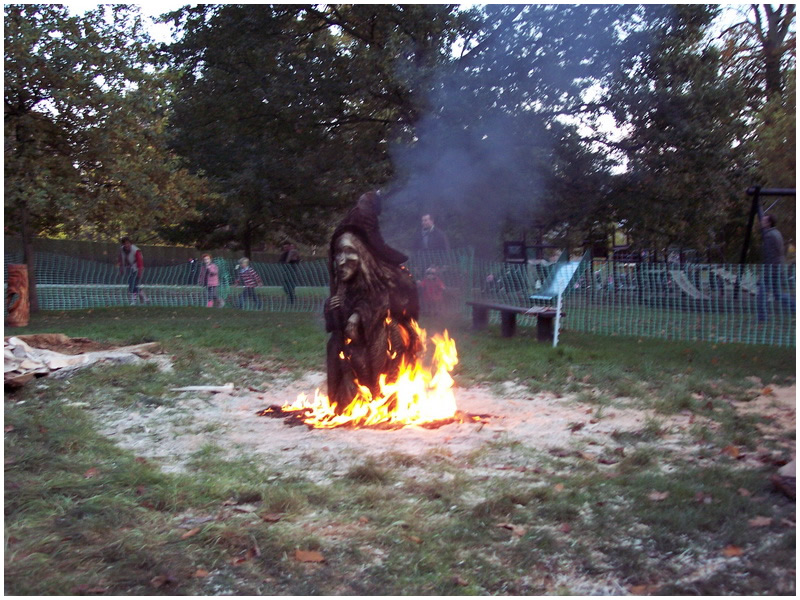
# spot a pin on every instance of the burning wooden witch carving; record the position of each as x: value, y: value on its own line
x: 371, y: 311
x: 376, y: 376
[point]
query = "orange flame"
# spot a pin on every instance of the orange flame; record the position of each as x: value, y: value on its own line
x: 418, y: 395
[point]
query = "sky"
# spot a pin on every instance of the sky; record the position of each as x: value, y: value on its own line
x: 160, y: 32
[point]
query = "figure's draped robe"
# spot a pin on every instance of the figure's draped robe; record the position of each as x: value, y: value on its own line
x: 385, y: 337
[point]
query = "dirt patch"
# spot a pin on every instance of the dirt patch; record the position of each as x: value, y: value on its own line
x: 560, y: 425
x: 58, y: 342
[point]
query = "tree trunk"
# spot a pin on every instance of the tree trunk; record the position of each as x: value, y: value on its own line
x: 28, y: 258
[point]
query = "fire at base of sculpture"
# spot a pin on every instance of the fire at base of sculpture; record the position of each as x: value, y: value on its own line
x: 17, y: 303
x: 371, y: 308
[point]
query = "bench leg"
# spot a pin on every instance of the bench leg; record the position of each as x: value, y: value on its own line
x: 480, y: 317
x: 545, y: 327
x: 508, y: 323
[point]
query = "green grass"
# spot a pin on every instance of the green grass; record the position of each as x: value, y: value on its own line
x: 84, y: 516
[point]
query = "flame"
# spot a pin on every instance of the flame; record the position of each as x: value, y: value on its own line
x: 418, y: 395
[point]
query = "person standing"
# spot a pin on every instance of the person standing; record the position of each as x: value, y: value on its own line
x: 289, y: 259
x: 771, y: 281
x: 432, y: 292
x: 249, y: 279
x: 431, y: 238
x: 130, y: 261
x: 209, y: 278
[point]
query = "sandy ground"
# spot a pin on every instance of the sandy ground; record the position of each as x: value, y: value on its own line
x: 170, y: 435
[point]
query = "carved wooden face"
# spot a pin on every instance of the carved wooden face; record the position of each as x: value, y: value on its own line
x: 346, y: 257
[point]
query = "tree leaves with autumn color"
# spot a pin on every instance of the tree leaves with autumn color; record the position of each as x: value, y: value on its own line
x: 85, y: 152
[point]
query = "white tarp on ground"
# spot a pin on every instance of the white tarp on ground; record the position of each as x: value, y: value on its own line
x: 22, y: 362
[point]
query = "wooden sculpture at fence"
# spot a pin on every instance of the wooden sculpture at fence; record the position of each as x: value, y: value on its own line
x: 18, y: 306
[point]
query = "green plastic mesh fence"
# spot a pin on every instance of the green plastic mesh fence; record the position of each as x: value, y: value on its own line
x: 752, y: 304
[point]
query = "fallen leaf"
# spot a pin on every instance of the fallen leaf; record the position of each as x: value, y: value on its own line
x: 253, y: 552
x: 308, y: 556
x: 363, y: 520
x: 732, y: 451
x: 642, y: 590
x: 161, y: 580
x: 516, y: 530
x: 238, y: 560
x: 731, y: 551
x: 559, y: 487
x: 190, y: 533
x: 201, y: 573
x: 271, y: 517
x: 42, y: 429
x: 744, y: 492
x: 767, y: 391
x: 93, y: 472
x: 703, y: 498
x: 85, y: 589
x: 657, y: 496
x: 9, y: 428
x: 573, y: 427
x: 565, y: 528
x: 759, y: 521
x: 587, y: 456
x: 459, y: 580
x: 415, y: 539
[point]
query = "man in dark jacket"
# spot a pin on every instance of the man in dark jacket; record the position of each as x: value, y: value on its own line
x: 774, y: 273
x: 431, y: 238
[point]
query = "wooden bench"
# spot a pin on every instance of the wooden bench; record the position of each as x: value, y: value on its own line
x: 545, y: 318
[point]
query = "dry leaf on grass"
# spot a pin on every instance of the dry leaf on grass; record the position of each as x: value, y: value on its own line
x: 731, y: 551
x: 732, y: 451
x: 703, y: 498
x: 271, y: 517
x: 459, y: 580
x: 516, y: 530
x: 760, y: 521
x: 565, y: 528
x: 84, y: 589
x: 201, y: 573
x: 658, y: 496
x: 162, y: 580
x: 744, y: 492
x: 190, y: 533
x: 642, y: 590
x: 559, y: 487
x: 308, y: 556
x: 93, y: 472
x: 415, y: 539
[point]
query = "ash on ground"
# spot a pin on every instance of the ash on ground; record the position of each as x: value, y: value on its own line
x: 556, y: 424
